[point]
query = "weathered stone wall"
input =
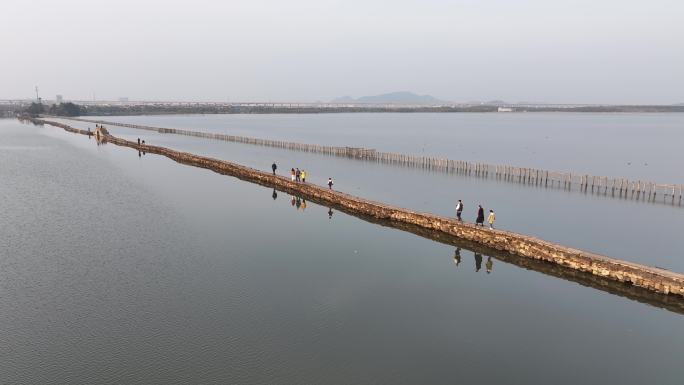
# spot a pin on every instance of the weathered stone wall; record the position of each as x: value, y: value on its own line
x: 650, y: 278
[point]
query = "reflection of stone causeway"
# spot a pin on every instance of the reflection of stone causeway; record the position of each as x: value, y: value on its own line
x: 601, y: 185
x: 605, y: 268
x: 622, y: 289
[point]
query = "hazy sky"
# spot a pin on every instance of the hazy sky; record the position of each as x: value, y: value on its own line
x: 593, y: 51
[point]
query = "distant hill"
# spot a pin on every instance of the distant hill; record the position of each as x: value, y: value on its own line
x: 402, y: 97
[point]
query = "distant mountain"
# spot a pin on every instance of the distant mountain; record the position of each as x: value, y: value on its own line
x: 402, y: 97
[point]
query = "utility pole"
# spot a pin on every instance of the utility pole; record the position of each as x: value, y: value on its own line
x: 37, y: 97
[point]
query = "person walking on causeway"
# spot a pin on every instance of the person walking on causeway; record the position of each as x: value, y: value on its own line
x: 480, y: 216
x: 459, y: 209
x: 491, y: 219
x: 292, y: 174
x: 330, y: 183
x: 303, y: 176
x: 274, y: 167
x: 298, y: 175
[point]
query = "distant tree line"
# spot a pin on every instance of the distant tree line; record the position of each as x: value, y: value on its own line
x: 35, y: 109
x: 62, y: 109
x: 66, y: 109
x: 71, y: 109
x: 147, y: 109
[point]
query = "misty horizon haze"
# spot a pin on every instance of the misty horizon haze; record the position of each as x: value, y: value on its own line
x: 609, y: 52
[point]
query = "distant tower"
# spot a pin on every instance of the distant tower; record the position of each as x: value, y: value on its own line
x: 59, y: 99
x: 37, y: 97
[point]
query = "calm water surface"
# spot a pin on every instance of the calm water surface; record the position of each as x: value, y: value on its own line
x: 643, y: 232
x: 644, y: 146
x: 124, y: 269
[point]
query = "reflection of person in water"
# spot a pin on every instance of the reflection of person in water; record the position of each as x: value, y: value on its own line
x: 478, y: 261
x: 274, y: 195
x: 489, y: 264
x: 292, y: 201
x: 457, y: 256
x: 299, y: 203
x: 303, y: 202
x: 330, y: 213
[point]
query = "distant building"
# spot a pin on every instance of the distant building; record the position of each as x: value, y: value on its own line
x: 123, y: 98
x: 59, y: 99
x: 505, y: 109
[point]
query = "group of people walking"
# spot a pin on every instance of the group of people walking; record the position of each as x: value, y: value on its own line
x: 297, y: 175
x: 480, y: 215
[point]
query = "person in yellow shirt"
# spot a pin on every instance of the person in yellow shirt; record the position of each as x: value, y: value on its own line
x: 491, y: 219
x: 303, y: 174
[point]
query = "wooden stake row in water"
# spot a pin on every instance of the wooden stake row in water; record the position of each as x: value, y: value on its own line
x: 614, y: 187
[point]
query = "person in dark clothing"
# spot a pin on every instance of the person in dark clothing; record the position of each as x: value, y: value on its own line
x: 459, y: 209
x: 138, y: 141
x: 330, y: 183
x: 274, y: 167
x: 480, y: 216
x: 298, y: 175
x: 478, y: 262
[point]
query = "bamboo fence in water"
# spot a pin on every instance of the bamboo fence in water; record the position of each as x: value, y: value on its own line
x: 607, y: 186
